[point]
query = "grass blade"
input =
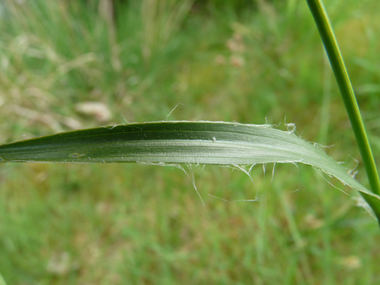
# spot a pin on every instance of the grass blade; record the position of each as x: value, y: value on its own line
x: 180, y: 142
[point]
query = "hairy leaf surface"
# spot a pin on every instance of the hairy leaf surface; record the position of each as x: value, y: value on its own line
x: 180, y: 142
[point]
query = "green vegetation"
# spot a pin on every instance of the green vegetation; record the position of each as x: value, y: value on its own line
x: 348, y: 95
x: 62, y: 224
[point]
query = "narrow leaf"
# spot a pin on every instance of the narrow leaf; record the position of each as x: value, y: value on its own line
x: 180, y: 142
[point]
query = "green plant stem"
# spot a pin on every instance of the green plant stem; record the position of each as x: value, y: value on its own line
x: 347, y: 92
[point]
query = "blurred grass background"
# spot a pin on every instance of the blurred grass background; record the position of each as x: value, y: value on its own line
x: 246, y: 61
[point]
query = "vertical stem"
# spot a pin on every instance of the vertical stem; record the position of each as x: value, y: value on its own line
x: 325, y: 30
x: 343, y: 80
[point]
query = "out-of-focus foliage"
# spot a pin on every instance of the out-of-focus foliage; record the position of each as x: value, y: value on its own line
x: 71, y: 64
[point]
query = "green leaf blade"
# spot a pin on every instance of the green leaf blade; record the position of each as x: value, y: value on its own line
x: 175, y: 142
x: 179, y: 142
